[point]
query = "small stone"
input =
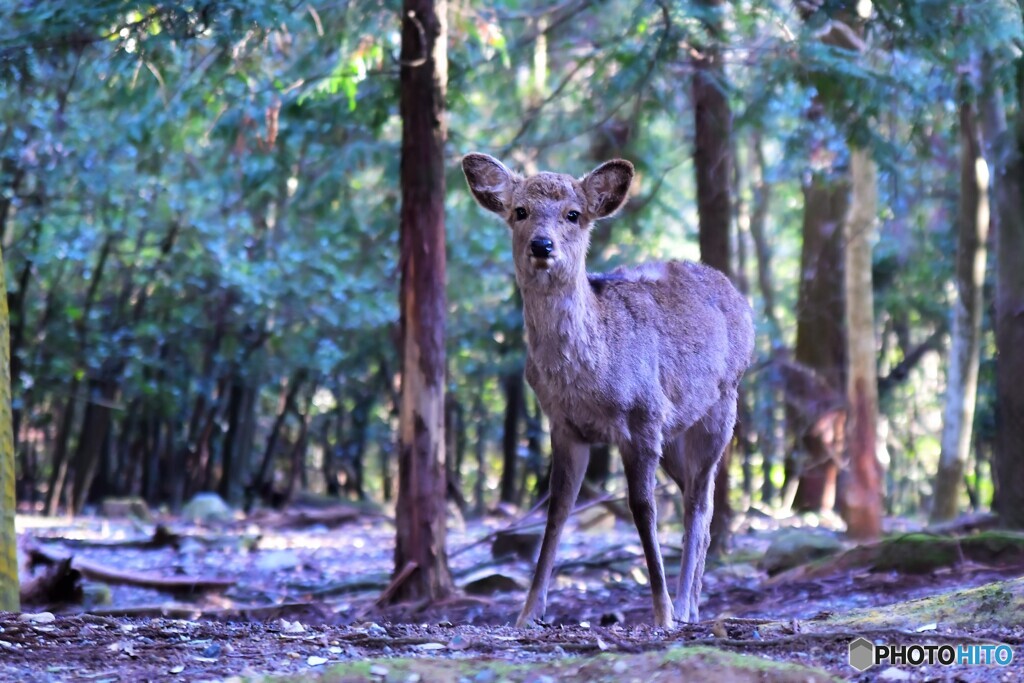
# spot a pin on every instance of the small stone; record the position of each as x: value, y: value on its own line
x: 620, y: 667
x: 894, y: 674
x: 427, y: 647
x: 489, y: 583
x: 38, y: 618
x: 313, y: 660
x: 276, y: 560
x: 458, y: 642
x: 379, y: 671
x: 612, y: 618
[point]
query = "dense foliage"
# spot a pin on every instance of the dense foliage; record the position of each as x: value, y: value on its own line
x: 199, y: 201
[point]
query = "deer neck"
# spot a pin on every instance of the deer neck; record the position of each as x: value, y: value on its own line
x: 563, y: 326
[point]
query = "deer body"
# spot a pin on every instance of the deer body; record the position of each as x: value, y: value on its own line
x: 648, y: 359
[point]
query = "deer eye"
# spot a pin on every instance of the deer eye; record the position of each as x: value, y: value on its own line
x: 573, y: 216
x: 521, y: 214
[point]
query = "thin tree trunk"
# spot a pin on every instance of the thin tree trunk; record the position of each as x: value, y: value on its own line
x: 420, y: 512
x: 229, y: 450
x: 962, y: 376
x: 58, y: 473
x: 95, y: 429
x: 481, y: 419
x: 772, y: 404
x: 297, y: 457
x: 513, y: 384
x: 261, y: 484
x: 820, y: 345
x: 861, y: 495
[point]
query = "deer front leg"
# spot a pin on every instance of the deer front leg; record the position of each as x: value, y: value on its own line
x: 568, y: 465
x: 640, y: 462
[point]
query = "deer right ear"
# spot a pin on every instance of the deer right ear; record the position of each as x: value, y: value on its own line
x: 489, y: 181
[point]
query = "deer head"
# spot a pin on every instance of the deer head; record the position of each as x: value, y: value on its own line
x: 550, y: 214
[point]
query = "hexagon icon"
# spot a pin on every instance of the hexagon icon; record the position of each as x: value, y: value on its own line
x: 862, y: 654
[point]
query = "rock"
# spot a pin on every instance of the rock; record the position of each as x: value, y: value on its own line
x: 741, y: 571
x: 121, y: 508
x: 894, y: 674
x: 207, y: 507
x: 794, y: 547
x: 523, y: 545
x: 489, y: 583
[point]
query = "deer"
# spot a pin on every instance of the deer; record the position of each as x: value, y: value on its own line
x: 647, y: 358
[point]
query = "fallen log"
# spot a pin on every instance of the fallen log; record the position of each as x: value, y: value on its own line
x: 176, y: 585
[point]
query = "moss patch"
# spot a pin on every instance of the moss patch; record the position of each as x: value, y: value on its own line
x: 995, y: 604
x: 695, y: 663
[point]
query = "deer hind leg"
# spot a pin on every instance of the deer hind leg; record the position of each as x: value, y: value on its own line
x: 640, y: 462
x: 568, y: 465
x: 692, y: 461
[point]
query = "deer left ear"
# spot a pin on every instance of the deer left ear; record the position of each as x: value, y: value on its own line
x: 607, y: 187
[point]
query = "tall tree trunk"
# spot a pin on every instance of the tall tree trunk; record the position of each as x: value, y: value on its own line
x: 861, y: 495
x: 9, y: 585
x: 1009, y: 447
x: 820, y: 346
x: 712, y: 159
x: 962, y: 376
x: 420, y: 510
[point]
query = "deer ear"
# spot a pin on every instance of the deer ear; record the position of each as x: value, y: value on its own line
x: 607, y: 187
x: 489, y: 181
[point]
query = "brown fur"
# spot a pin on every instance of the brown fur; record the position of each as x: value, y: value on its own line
x: 648, y: 359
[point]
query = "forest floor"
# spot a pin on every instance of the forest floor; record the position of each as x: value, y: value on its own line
x: 294, y: 594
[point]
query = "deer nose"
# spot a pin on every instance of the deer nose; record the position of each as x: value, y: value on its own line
x: 542, y: 247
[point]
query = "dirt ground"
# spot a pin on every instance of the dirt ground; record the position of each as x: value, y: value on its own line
x: 303, y: 606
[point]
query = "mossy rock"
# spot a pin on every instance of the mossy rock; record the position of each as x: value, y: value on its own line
x: 920, y: 553
x: 794, y: 547
x: 994, y: 604
x: 696, y: 663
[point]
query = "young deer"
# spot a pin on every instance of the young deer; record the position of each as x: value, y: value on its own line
x: 648, y: 359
